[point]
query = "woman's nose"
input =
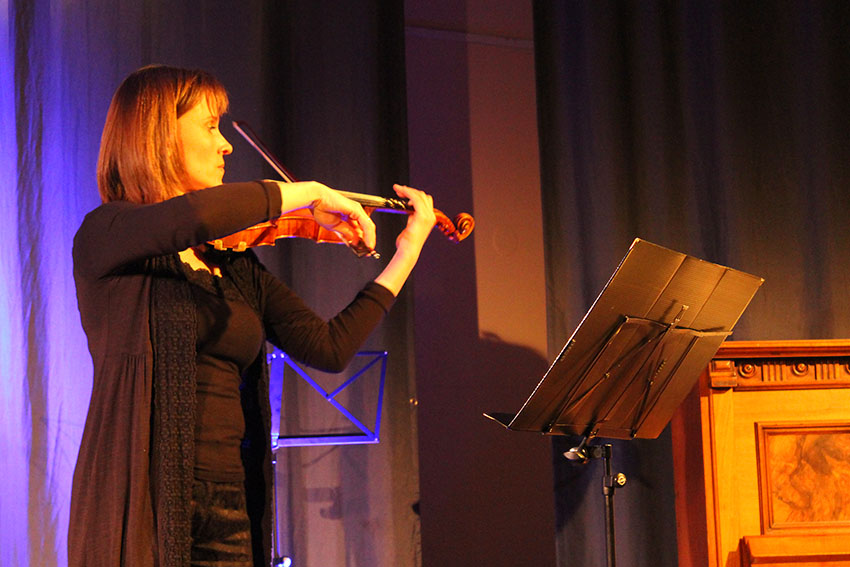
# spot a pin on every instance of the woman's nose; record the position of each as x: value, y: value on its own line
x: 226, y: 148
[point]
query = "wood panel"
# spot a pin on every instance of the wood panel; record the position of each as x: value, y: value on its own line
x: 795, y: 551
x: 762, y: 456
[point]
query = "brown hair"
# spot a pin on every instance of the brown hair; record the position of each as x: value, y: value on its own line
x: 140, y: 159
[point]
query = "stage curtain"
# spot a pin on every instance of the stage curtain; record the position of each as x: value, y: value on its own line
x: 719, y: 129
x: 336, y: 95
x: 59, y: 65
x: 49, y: 110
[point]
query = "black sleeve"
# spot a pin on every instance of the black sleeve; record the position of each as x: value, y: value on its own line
x: 306, y: 337
x: 119, y: 233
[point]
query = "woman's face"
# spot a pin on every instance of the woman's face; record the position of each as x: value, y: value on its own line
x: 203, y: 147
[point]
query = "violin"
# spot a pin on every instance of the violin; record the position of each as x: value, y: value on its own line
x: 300, y: 223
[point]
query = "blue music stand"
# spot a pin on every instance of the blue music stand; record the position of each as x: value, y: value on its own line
x: 279, y: 360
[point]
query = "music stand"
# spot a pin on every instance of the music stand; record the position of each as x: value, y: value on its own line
x: 635, y: 355
x: 278, y: 362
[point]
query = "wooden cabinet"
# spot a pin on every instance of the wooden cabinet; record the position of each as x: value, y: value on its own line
x: 761, y: 450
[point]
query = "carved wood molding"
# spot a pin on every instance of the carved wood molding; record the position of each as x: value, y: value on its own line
x: 784, y: 349
x: 781, y: 365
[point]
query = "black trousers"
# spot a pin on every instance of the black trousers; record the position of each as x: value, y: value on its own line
x: 221, y: 530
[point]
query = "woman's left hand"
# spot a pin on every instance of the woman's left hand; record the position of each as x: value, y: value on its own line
x: 409, y: 243
x: 420, y: 223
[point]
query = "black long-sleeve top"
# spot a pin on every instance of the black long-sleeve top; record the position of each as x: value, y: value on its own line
x: 114, y: 503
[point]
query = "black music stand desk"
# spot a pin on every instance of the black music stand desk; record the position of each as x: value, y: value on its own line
x: 636, y: 354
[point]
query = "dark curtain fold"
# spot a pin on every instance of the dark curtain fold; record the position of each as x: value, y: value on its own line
x: 335, y: 100
x: 716, y: 129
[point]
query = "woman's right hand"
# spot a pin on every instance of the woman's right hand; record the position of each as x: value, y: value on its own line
x: 331, y: 210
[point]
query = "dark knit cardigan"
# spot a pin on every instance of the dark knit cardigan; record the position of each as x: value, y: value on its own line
x: 132, y: 485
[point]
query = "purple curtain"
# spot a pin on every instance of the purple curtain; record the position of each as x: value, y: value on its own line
x: 49, y: 139
x: 59, y: 64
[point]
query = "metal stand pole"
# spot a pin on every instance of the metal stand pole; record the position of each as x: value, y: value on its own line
x: 610, y: 482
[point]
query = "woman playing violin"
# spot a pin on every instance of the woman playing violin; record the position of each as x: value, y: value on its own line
x: 174, y: 465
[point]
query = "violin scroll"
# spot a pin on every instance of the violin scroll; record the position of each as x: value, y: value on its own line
x: 457, y: 230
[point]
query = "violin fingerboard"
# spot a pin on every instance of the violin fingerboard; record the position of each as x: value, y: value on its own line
x: 396, y: 204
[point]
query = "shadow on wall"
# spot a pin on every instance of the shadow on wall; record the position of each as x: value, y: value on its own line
x: 486, y: 492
